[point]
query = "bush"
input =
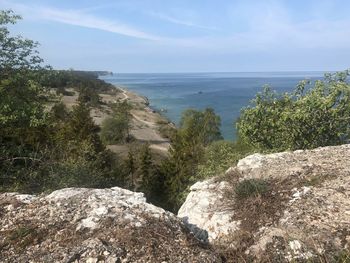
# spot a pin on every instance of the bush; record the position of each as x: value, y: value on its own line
x: 219, y: 156
x: 167, y: 131
x: 114, y: 130
x: 203, y: 124
x: 250, y: 188
x: 303, y: 119
x: 59, y: 111
x: 88, y: 94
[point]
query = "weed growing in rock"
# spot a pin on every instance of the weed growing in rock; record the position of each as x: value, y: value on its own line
x: 251, y: 187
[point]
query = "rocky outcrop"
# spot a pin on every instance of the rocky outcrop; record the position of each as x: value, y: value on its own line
x: 303, y: 214
x: 93, y: 225
x: 204, y: 211
x: 300, y: 213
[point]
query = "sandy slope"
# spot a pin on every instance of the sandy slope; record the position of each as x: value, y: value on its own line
x: 144, y: 122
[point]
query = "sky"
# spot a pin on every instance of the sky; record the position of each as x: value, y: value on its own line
x: 188, y: 35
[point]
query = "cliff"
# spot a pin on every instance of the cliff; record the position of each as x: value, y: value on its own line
x: 93, y: 225
x: 277, y: 207
x: 284, y: 207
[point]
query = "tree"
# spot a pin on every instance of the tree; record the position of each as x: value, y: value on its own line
x: 204, y: 124
x: 22, y: 97
x: 16, y: 52
x: 81, y: 127
x: 116, y: 129
x: 122, y: 110
x: 197, y: 130
x: 88, y: 94
x: 146, y: 169
x: 304, y: 119
x: 42, y: 149
x: 130, y: 170
x: 219, y: 156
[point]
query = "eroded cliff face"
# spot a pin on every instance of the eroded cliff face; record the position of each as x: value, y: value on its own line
x: 304, y: 213
x: 93, y: 225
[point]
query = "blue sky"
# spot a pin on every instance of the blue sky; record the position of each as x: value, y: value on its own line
x: 188, y: 35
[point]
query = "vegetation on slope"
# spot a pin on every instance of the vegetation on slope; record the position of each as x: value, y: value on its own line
x: 42, y: 148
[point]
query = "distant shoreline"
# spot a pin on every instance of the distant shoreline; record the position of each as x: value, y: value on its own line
x: 147, y: 122
x: 146, y: 100
x: 226, y: 93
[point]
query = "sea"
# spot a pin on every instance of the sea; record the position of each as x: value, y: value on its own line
x: 226, y: 93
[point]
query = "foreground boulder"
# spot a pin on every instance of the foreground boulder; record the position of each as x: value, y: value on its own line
x: 291, y: 206
x: 93, y: 225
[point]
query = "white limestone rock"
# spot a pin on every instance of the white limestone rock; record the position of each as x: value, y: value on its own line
x: 200, y: 211
x: 312, y: 214
x: 88, y: 225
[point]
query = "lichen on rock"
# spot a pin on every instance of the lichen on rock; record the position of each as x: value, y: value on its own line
x: 93, y: 225
x: 305, y: 214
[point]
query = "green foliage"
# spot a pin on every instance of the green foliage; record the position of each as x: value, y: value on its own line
x: 22, y: 114
x: 116, y: 129
x: 81, y: 127
x: 22, y: 97
x: 204, y: 124
x: 307, y: 118
x: 88, y: 95
x: 251, y: 188
x: 166, y: 128
x: 130, y: 169
x: 17, y: 53
x: 219, y: 156
x: 146, y: 170
x: 59, y: 111
x: 40, y: 149
x: 197, y: 130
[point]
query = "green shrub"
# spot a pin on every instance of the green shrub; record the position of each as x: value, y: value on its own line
x: 203, y: 124
x: 167, y: 131
x: 121, y: 112
x: 219, y: 156
x: 59, y: 111
x: 251, y: 188
x: 114, y: 130
x: 88, y: 94
x: 304, y: 119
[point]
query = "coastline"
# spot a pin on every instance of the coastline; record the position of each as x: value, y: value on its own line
x: 147, y: 122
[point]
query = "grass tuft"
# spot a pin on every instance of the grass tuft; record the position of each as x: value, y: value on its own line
x: 251, y: 188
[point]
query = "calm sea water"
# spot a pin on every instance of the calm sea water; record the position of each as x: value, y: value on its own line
x: 227, y: 93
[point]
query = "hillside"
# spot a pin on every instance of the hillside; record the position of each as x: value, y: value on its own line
x: 145, y: 123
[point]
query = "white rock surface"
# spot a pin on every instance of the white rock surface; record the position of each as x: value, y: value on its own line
x: 93, y: 225
x: 200, y: 211
x: 312, y: 216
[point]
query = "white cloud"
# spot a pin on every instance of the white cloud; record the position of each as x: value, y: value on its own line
x: 269, y: 28
x: 89, y: 21
x: 178, y: 21
x: 78, y: 18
